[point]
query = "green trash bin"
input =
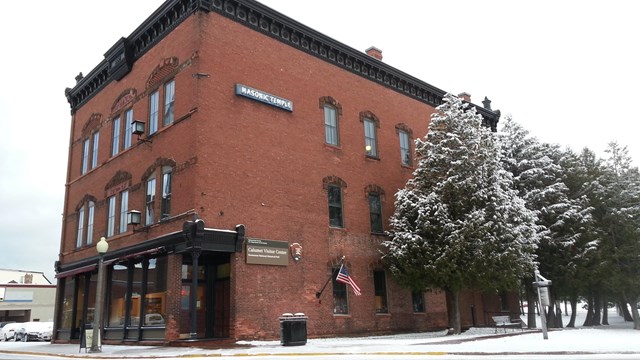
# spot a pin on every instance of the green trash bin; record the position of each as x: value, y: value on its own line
x: 293, y: 329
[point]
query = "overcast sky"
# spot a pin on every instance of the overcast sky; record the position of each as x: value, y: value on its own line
x: 566, y: 70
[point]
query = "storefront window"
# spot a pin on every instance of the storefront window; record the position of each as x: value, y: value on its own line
x: 136, y: 290
x: 66, y: 316
x: 154, y: 299
x: 118, y: 295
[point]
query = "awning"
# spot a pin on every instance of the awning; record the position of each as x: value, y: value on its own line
x: 76, y: 271
x: 135, y: 255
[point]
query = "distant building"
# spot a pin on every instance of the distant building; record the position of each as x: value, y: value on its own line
x: 26, y: 296
x: 234, y: 159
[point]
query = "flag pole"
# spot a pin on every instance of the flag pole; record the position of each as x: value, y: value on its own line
x: 333, y: 274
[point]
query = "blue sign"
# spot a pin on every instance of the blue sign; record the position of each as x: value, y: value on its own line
x: 258, y: 95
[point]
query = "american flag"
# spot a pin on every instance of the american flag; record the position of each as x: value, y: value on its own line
x: 343, y: 277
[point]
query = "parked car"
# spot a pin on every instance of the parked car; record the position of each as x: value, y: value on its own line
x: 32, y: 331
x: 7, y: 332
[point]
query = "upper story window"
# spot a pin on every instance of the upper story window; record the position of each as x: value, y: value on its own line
x: 332, y: 109
x: 124, y: 208
x: 334, y: 186
x: 115, y: 139
x: 375, y: 213
x: 165, y: 206
x: 371, y: 124
x: 335, y: 206
x: 150, y: 199
x: 405, y: 134
x: 128, y: 128
x: 80, y: 233
x: 370, y: 138
x: 122, y: 112
x: 85, y: 156
x: 85, y: 223
x: 91, y: 207
x: 111, y: 216
x: 153, y: 111
x: 94, y: 151
x: 331, y: 125
x: 158, y: 180
x: 169, y: 99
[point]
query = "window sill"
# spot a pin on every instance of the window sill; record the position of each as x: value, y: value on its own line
x: 383, y: 314
x: 372, y: 157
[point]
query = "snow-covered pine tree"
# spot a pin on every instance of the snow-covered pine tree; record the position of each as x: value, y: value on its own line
x: 458, y: 223
x: 539, y: 178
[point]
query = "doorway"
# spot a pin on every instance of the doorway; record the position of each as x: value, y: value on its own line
x: 213, y: 296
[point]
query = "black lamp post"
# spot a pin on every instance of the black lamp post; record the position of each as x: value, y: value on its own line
x: 96, y: 345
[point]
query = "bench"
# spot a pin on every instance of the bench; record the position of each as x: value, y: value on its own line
x: 504, y: 322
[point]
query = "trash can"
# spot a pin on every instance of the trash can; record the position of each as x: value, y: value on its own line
x: 293, y: 329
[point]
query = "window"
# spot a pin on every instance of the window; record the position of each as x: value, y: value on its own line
x: 335, y: 205
x: 111, y: 216
x: 169, y: 98
x: 153, y: 112
x: 149, y: 217
x: 370, y: 141
x: 380, y: 290
x: 331, y: 125
x: 80, y: 227
x: 417, y: 298
x: 165, y: 206
x: 340, y: 304
x: 124, y: 208
x: 85, y: 156
x: 154, y: 298
x: 115, y: 141
x: 128, y: 128
x: 405, y: 148
x: 375, y: 213
x: 90, y: 214
x: 94, y: 152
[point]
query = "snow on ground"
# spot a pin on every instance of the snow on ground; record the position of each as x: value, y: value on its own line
x: 618, y: 337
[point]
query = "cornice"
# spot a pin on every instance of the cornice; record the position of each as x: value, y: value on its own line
x: 254, y: 15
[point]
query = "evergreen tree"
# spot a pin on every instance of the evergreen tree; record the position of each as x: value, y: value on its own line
x: 458, y: 223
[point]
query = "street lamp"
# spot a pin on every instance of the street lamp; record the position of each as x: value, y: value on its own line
x: 96, y: 345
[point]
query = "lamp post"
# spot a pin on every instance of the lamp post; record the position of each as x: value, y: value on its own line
x: 96, y: 345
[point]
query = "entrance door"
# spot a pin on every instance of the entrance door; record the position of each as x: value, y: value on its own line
x: 213, y: 296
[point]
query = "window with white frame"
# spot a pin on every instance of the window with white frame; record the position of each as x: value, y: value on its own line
x: 128, y: 128
x: 94, y: 151
x: 111, y: 216
x: 405, y: 148
x: 370, y: 138
x: 124, y: 208
x: 165, y: 206
x: 149, y: 217
x: 153, y: 111
x: 80, y: 227
x: 169, y: 99
x: 115, y: 140
x: 85, y: 156
x: 331, y: 125
x: 91, y: 206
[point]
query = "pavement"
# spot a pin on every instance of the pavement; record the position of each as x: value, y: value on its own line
x: 476, y: 341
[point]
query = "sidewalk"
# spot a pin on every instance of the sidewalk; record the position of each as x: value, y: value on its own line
x: 476, y: 341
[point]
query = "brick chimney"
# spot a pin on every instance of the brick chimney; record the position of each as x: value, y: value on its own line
x: 374, y: 52
x: 465, y: 96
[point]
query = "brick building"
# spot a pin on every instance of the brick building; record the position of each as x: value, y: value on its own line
x: 241, y: 138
